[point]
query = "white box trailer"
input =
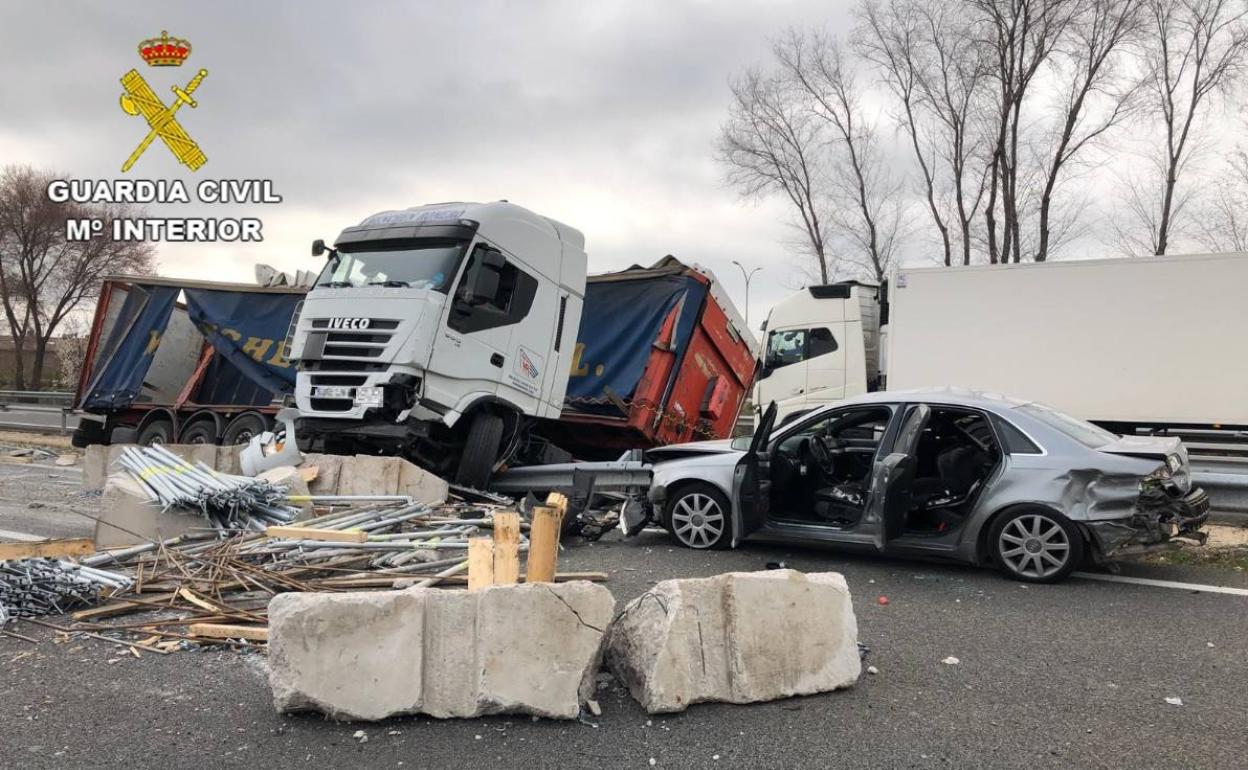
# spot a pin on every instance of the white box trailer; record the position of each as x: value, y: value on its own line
x: 1152, y: 342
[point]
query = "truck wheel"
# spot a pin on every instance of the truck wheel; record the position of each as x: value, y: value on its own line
x: 697, y: 516
x: 242, y: 428
x: 1035, y: 545
x: 123, y: 435
x: 156, y: 432
x: 199, y: 432
x: 476, y: 464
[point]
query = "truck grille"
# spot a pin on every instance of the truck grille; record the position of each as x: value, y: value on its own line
x: 345, y: 358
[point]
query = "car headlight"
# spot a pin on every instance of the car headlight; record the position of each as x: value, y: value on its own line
x: 1172, y: 475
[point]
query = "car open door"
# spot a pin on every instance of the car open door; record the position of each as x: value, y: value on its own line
x: 751, y: 483
x: 892, y: 479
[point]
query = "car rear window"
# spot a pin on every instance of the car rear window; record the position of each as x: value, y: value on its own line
x: 1080, y: 430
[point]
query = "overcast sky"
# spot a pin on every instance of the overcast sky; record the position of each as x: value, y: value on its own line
x: 599, y: 114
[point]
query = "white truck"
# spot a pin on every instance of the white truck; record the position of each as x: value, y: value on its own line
x: 453, y: 334
x: 1146, y: 344
x: 423, y: 319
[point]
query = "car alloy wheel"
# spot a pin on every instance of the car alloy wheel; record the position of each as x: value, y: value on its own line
x: 698, y: 520
x: 1034, y: 546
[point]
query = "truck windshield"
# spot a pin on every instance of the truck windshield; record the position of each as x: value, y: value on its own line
x: 1080, y: 430
x: 419, y: 266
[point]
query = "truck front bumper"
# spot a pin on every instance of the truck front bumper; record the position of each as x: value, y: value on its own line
x: 1158, y: 524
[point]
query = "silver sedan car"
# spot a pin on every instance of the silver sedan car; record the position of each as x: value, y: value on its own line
x: 948, y: 473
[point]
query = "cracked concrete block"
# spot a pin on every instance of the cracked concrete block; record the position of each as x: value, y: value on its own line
x: 739, y: 637
x: 519, y: 649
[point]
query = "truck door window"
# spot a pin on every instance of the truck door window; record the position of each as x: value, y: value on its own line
x: 820, y: 342
x: 784, y: 348
x: 509, y: 305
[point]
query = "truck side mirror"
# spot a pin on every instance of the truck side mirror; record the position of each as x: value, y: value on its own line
x: 318, y: 247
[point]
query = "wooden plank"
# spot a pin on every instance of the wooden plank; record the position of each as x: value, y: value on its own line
x: 224, y: 631
x: 455, y: 580
x: 544, y: 544
x: 50, y: 549
x: 558, y: 501
x: 327, y: 535
x: 506, y: 548
x: 480, y: 562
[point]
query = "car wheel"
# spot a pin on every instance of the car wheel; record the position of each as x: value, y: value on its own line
x: 698, y: 517
x: 1036, y: 545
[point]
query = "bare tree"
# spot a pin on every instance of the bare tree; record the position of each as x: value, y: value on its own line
x: 860, y: 181
x: 1019, y: 36
x: 771, y: 143
x: 1223, y: 220
x: 43, y: 276
x: 1195, y: 50
x: 1091, y: 59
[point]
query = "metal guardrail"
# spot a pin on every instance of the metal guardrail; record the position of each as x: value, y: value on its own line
x: 37, y: 397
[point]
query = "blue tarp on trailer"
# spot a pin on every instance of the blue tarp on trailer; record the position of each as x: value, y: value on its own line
x: 128, y: 352
x: 249, y: 329
x: 619, y: 325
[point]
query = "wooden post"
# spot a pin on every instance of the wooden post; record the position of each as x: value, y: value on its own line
x: 480, y: 562
x: 506, y: 548
x: 559, y: 502
x: 543, y: 544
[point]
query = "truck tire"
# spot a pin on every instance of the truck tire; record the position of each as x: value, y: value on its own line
x: 242, y: 428
x: 123, y: 435
x: 476, y: 464
x: 199, y: 432
x: 156, y: 432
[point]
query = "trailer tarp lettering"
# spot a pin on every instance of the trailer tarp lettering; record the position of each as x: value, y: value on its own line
x: 249, y: 329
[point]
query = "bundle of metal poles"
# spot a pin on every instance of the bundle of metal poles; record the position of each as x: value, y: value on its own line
x: 228, y: 502
x: 34, y: 587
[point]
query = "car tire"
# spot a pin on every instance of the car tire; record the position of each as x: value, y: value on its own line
x: 476, y: 463
x: 1035, y: 545
x: 699, y: 516
x: 199, y: 432
x: 156, y: 432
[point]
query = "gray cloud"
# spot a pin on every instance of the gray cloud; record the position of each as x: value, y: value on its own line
x: 599, y: 114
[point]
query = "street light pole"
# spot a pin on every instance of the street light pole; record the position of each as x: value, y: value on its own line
x: 747, y: 277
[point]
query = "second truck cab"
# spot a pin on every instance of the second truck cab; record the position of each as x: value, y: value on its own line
x: 822, y: 345
x: 437, y: 331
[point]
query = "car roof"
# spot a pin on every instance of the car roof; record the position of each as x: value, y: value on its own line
x: 952, y: 395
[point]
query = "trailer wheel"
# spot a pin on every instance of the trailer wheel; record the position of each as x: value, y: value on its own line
x: 156, y: 432
x: 199, y: 432
x: 242, y: 428
x: 476, y: 464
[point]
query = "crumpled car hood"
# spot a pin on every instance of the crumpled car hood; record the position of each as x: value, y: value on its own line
x: 1144, y: 446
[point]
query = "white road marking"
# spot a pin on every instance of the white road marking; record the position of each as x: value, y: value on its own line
x: 20, y: 537
x: 1163, y: 583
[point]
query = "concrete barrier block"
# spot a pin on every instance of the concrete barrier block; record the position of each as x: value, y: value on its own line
x: 370, y: 475
x: 518, y: 649
x: 328, y: 471
x: 95, y: 466
x: 128, y: 517
x: 227, y: 460
x: 739, y: 637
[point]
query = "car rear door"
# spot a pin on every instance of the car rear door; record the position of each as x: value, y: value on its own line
x: 892, y: 479
x: 751, y: 483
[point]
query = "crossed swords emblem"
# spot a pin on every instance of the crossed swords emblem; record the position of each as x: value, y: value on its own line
x: 140, y: 99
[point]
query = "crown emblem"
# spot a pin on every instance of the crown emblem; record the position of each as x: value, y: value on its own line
x: 165, y: 51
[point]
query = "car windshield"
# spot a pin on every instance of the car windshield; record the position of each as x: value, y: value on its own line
x: 1080, y: 430
x: 429, y: 265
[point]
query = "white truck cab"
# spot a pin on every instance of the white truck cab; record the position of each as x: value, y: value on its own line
x: 436, y: 331
x: 822, y: 344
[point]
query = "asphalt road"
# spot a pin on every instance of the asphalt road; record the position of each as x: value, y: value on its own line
x: 1074, y: 675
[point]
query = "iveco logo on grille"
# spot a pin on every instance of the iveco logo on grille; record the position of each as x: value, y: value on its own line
x: 348, y: 323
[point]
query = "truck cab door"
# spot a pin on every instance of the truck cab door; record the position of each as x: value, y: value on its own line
x: 751, y: 482
x: 892, y: 480
x: 783, y: 377
x: 825, y: 364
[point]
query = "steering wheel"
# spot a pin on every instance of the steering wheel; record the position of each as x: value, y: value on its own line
x: 824, y: 449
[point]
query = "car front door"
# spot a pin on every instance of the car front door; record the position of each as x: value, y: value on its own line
x: 751, y: 482
x: 892, y: 479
